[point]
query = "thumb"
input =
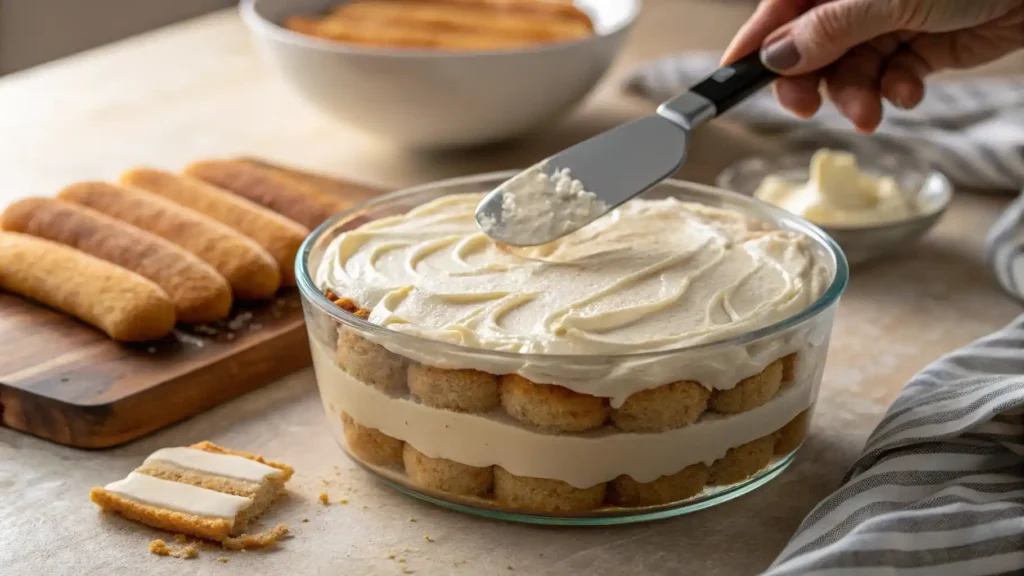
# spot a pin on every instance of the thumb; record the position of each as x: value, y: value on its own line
x: 823, y: 34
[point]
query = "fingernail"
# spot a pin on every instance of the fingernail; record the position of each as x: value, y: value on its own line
x: 902, y: 100
x: 780, y: 55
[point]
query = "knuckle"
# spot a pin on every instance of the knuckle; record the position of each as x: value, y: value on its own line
x: 912, y: 14
x: 847, y: 22
x: 828, y: 25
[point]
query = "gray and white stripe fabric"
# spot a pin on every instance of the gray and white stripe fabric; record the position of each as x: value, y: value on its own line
x: 972, y: 131
x: 1004, y: 248
x: 939, y: 490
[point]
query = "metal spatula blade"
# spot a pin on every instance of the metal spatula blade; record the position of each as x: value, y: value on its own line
x: 623, y: 162
x: 610, y: 165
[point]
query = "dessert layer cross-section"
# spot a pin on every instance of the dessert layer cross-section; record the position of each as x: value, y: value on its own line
x: 619, y: 366
x: 202, y: 490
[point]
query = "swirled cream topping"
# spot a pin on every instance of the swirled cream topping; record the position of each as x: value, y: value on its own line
x: 651, y: 275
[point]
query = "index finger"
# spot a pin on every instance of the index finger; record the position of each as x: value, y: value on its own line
x: 769, y: 16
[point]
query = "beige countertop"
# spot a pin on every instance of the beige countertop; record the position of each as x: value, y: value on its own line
x: 197, y: 90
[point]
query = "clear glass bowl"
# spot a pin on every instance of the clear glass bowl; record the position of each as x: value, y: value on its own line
x: 490, y: 464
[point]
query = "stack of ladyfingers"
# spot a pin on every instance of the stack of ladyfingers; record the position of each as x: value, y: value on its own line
x: 132, y: 258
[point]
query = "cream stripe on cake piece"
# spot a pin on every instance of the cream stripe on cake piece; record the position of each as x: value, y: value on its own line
x: 226, y: 465
x: 179, y: 497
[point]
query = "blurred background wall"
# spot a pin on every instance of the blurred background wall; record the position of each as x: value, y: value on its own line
x: 36, y: 31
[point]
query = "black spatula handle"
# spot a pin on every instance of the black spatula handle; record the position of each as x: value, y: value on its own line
x: 728, y: 86
x: 732, y: 84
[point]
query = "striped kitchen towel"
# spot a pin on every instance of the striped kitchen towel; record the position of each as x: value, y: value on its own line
x: 939, y: 489
x: 972, y: 130
x: 1004, y: 248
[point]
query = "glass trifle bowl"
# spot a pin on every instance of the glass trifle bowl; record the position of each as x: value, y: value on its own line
x: 663, y: 389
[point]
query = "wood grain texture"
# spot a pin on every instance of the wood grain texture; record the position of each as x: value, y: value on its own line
x: 64, y: 381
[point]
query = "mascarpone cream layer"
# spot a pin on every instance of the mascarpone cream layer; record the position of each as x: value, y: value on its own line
x: 650, y: 276
x: 227, y: 465
x: 581, y: 460
x: 178, y: 496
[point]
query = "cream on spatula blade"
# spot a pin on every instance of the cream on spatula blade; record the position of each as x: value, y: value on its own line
x: 580, y: 184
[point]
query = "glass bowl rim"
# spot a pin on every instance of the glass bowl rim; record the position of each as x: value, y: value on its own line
x: 310, y: 293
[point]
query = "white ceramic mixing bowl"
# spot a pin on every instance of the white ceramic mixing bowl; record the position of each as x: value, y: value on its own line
x: 439, y: 98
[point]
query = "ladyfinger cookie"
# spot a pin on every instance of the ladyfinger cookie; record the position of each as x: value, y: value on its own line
x: 278, y: 235
x: 299, y: 201
x: 199, y: 293
x: 349, y: 192
x: 119, y: 302
x: 251, y: 272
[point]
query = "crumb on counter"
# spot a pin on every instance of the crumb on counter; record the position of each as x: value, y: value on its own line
x: 160, y: 548
x: 262, y: 540
x: 343, y: 501
x: 222, y: 560
x: 428, y: 538
x: 324, y: 499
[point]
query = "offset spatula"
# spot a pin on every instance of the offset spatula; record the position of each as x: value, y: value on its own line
x: 625, y: 161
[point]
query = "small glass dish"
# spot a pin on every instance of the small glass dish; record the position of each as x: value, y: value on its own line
x: 485, y: 462
x: 927, y: 189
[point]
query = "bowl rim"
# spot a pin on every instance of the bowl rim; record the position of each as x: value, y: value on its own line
x: 311, y: 293
x: 257, y: 23
x: 925, y: 169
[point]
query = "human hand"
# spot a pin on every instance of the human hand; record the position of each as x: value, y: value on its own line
x: 866, y: 50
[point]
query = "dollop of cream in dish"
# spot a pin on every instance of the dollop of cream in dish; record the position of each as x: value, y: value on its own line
x: 838, y: 193
x: 651, y: 275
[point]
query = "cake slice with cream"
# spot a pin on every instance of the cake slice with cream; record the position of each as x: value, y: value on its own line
x: 203, y: 490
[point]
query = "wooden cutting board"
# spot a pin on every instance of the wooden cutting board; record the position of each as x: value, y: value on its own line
x: 65, y: 381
